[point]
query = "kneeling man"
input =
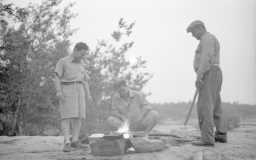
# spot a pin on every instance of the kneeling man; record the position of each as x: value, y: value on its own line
x: 130, y: 105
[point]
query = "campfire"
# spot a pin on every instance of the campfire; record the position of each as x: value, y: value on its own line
x: 124, y: 130
x: 113, y: 143
x: 121, y: 141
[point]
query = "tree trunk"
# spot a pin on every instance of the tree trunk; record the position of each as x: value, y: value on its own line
x: 16, y: 114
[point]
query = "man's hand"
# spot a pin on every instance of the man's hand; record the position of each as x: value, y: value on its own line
x: 199, y: 84
x: 60, y: 96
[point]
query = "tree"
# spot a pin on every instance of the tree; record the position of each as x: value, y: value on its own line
x: 31, y: 51
x: 107, y: 63
x: 11, y: 14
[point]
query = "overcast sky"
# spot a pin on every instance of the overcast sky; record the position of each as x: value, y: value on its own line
x: 161, y: 39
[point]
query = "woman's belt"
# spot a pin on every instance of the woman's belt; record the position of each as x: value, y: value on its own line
x: 73, y: 82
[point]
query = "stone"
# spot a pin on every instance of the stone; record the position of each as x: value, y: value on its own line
x: 142, y: 145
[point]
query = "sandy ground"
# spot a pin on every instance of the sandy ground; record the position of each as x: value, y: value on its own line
x: 241, y: 146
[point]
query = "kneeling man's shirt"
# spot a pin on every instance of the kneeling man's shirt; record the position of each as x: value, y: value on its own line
x: 133, y: 108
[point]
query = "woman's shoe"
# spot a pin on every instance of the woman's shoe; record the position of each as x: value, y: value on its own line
x: 67, y: 147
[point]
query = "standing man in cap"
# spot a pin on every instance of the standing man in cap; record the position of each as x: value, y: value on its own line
x: 72, y: 87
x: 208, y: 83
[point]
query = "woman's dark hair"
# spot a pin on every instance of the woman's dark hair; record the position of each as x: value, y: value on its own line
x: 81, y: 46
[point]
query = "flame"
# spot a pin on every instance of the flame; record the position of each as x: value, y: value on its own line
x: 124, y: 128
x: 126, y: 135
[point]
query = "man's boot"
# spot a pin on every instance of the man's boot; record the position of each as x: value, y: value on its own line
x: 220, y: 137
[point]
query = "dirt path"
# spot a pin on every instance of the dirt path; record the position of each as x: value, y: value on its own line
x: 241, y: 146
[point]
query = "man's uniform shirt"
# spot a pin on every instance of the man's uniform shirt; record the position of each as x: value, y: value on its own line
x: 207, y: 54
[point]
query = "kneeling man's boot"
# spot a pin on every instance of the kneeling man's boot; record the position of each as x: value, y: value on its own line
x: 221, y: 137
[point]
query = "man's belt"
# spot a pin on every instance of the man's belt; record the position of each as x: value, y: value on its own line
x: 73, y: 82
x: 216, y: 64
x: 212, y: 66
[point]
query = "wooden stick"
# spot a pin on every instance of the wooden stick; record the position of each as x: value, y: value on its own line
x: 191, y: 107
x: 158, y: 135
x: 163, y: 135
